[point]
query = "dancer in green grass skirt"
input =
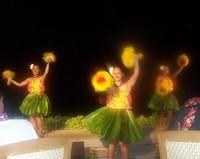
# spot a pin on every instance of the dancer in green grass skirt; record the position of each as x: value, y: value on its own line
x: 164, y: 101
x: 116, y: 122
x: 36, y: 104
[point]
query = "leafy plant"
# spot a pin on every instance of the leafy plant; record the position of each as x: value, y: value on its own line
x: 147, y: 121
x: 75, y: 122
x: 55, y: 122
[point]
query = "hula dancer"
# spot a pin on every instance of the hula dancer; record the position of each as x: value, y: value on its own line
x: 163, y: 101
x: 36, y: 104
x: 116, y: 122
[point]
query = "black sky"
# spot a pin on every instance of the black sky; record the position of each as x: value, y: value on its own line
x: 85, y: 35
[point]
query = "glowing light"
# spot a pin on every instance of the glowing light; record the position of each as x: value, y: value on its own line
x: 8, y: 74
x: 183, y: 60
x: 101, y: 81
x: 49, y: 57
x: 128, y: 57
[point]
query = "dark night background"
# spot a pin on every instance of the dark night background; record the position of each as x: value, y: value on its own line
x: 86, y: 36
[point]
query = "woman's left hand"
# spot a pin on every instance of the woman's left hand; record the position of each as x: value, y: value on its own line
x: 8, y: 81
x: 140, y: 56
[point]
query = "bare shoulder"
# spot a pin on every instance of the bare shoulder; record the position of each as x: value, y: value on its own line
x: 29, y: 79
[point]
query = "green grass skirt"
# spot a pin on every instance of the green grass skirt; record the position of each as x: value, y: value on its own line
x: 35, y: 104
x: 114, y: 125
x: 164, y: 103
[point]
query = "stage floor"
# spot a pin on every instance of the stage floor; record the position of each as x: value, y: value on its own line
x: 94, y: 146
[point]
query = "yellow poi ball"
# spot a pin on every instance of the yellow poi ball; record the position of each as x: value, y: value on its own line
x: 128, y: 57
x: 183, y: 60
x: 101, y: 81
x: 49, y: 57
x: 8, y: 74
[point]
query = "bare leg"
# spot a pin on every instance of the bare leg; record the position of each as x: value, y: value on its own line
x: 162, y: 120
x: 33, y: 122
x: 40, y: 125
x: 169, y: 117
x: 123, y: 150
x: 111, y: 151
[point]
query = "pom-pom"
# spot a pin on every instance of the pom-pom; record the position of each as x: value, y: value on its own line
x: 183, y: 60
x: 49, y: 57
x: 128, y: 57
x: 101, y: 81
x: 8, y: 74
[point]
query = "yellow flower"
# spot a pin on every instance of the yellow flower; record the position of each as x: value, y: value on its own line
x: 183, y: 60
x: 101, y: 81
x: 8, y: 74
x: 49, y: 57
x: 128, y: 57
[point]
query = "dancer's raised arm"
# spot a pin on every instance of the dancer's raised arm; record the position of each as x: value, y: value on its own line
x: 178, y: 71
x: 134, y: 76
x: 46, y: 71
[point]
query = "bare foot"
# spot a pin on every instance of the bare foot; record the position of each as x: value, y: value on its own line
x: 42, y: 132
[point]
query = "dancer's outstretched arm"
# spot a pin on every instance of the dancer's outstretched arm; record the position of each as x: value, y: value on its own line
x: 18, y: 84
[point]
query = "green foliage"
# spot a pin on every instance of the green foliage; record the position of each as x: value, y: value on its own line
x: 55, y: 122
x: 75, y: 122
x: 92, y: 155
x: 147, y: 121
